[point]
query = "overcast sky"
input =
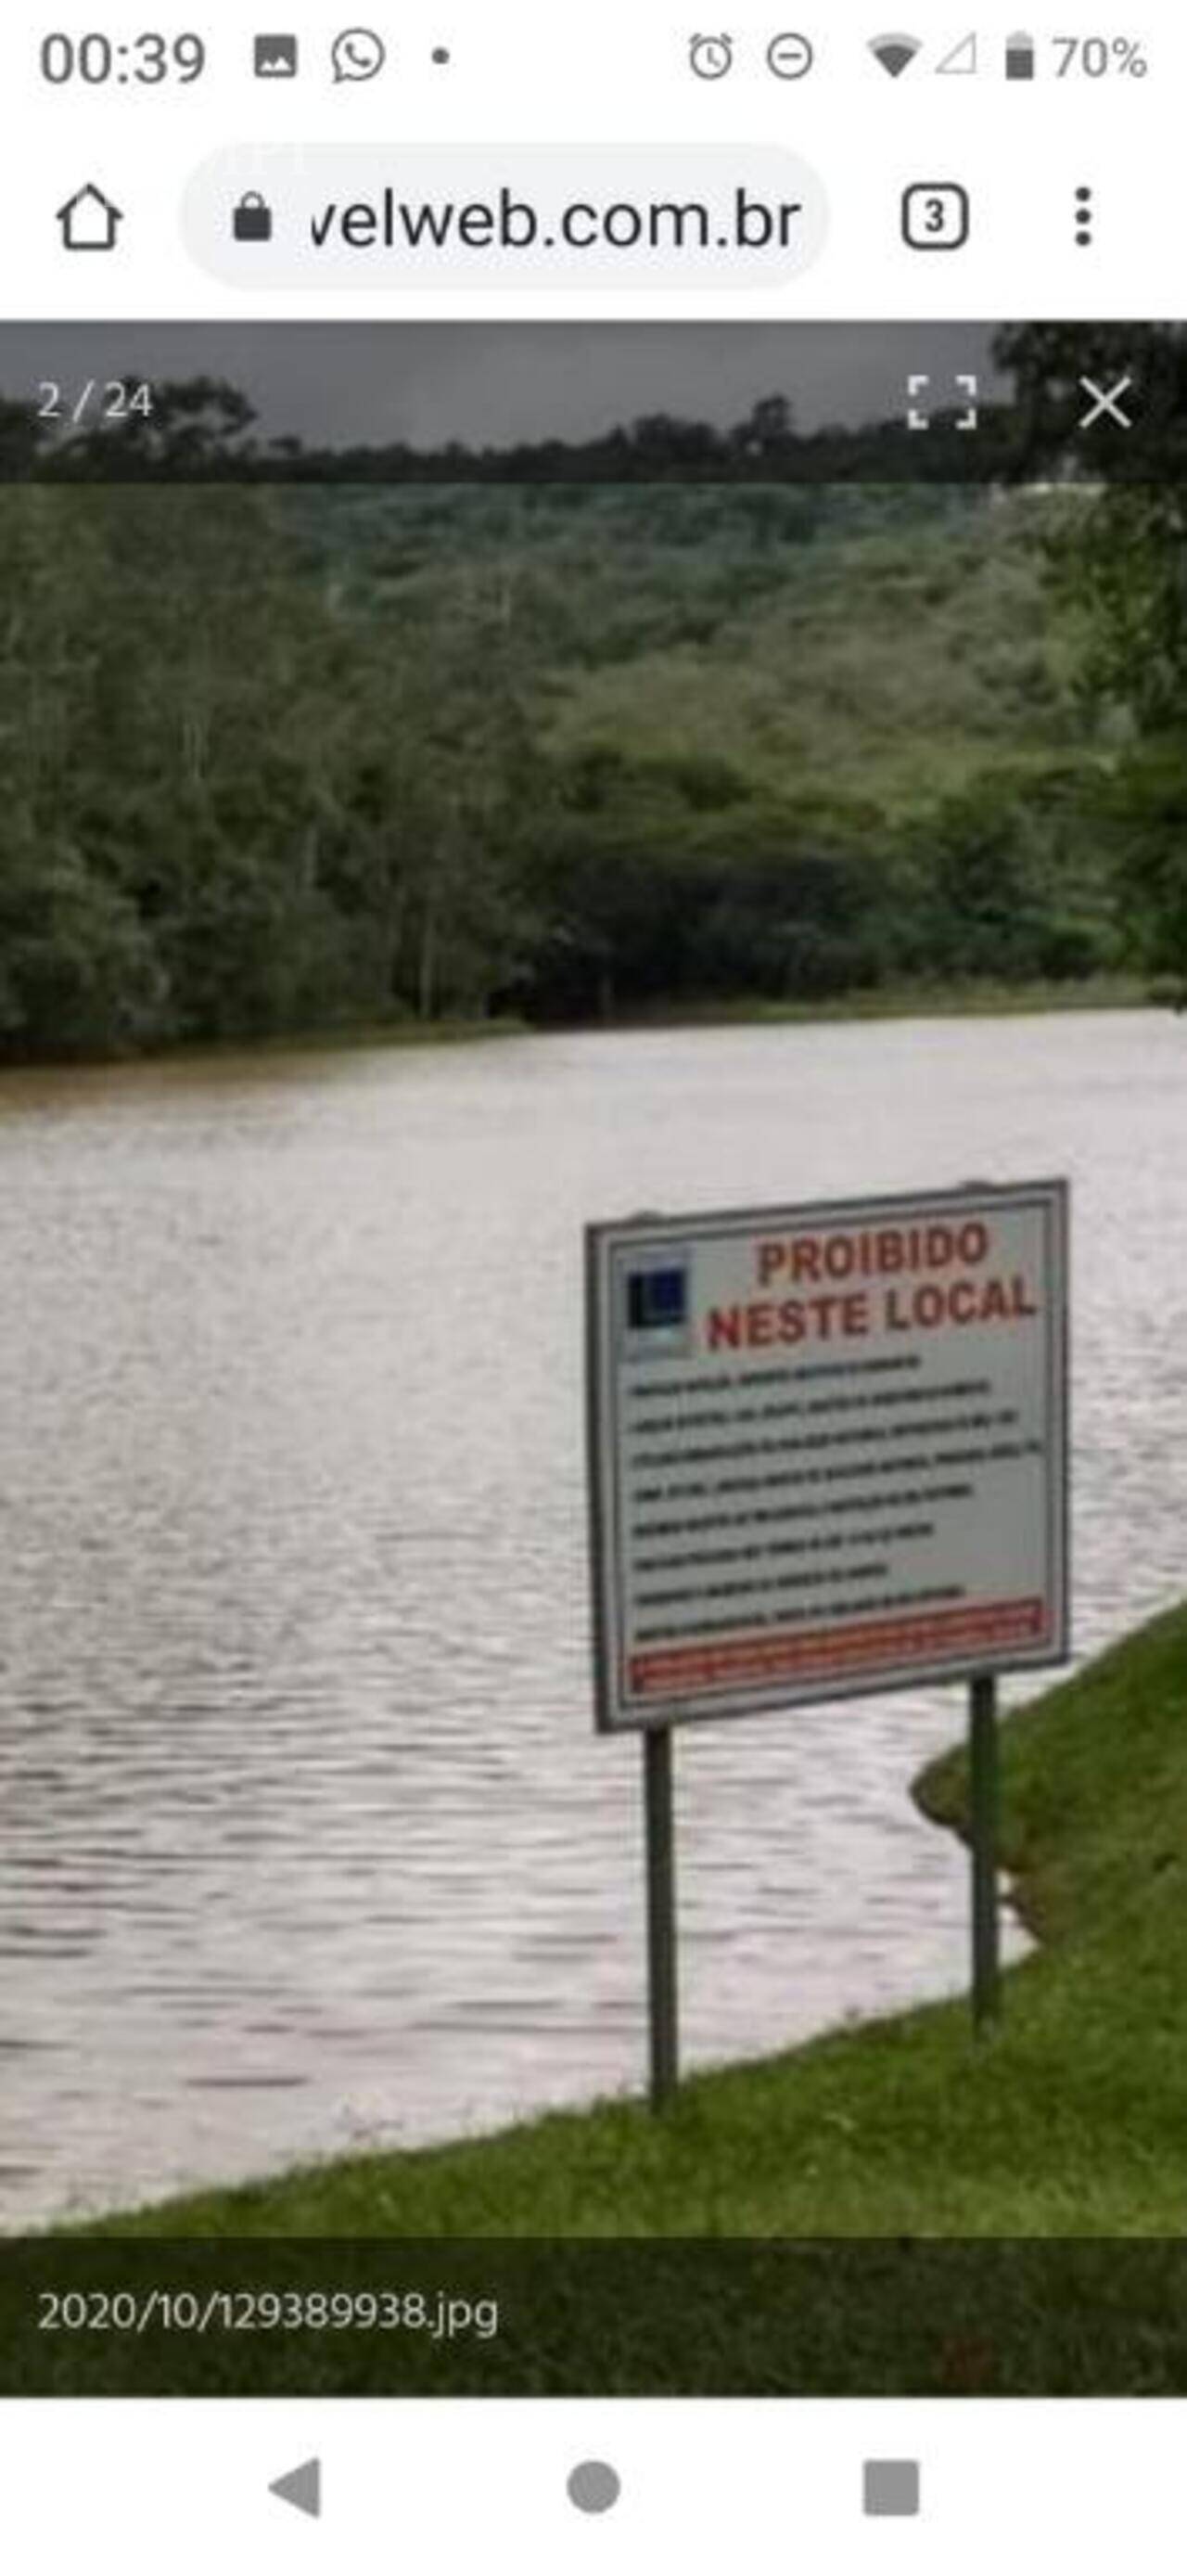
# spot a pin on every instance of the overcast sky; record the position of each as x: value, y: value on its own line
x: 493, y: 384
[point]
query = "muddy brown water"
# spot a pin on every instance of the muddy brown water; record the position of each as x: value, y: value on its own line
x: 305, y: 1839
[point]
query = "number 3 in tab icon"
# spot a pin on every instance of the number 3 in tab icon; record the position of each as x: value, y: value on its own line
x: 937, y: 215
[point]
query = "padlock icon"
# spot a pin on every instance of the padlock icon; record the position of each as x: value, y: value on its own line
x: 252, y: 219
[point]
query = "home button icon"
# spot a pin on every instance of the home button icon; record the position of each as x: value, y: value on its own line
x: 90, y: 221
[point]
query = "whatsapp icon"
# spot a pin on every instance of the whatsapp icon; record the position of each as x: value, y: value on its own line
x: 358, y: 54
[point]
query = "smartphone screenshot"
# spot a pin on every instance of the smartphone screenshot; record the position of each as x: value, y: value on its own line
x: 593, y: 1201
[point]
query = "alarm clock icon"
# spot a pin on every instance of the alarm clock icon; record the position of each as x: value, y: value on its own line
x: 711, y: 56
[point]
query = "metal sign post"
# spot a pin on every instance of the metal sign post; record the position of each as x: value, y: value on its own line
x: 663, y: 2006
x: 827, y: 1452
x: 983, y: 1796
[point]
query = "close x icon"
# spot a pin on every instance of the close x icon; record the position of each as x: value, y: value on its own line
x: 1107, y: 406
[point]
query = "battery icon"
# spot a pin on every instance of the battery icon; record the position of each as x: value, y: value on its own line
x: 1020, y: 58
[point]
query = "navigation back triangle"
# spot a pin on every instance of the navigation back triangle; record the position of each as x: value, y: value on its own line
x: 300, y: 2487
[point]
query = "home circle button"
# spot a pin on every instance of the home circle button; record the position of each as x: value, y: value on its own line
x: 594, y: 2486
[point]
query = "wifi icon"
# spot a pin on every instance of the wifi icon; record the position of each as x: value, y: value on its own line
x: 896, y: 53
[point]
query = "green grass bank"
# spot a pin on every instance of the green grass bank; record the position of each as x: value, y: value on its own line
x: 1070, y: 2121
x: 896, y: 2209
x: 971, y: 1000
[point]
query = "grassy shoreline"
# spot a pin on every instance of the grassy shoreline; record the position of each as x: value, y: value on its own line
x: 918, y: 1002
x: 1070, y: 2122
x: 893, y: 2209
x: 923, y: 1002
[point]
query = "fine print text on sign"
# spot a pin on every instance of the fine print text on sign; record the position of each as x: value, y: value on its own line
x: 828, y: 1449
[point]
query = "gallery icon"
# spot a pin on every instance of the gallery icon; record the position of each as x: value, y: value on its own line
x: 937, y: 215
x: 277, y: 57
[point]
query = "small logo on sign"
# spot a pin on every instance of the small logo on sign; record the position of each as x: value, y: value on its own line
x: 657, y: 1305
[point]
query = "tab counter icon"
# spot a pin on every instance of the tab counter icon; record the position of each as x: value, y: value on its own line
x: 936, y: 215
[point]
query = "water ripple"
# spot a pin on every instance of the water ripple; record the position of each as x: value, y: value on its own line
x: 307, y: 1841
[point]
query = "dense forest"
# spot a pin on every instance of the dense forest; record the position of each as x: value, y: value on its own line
x: 278, y: 758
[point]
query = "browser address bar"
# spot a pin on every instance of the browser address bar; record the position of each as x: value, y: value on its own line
x: 532, y: 215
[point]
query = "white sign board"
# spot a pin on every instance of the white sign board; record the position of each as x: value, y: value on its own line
x: 828, y: 1449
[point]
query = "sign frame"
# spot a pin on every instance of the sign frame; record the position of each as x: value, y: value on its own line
x: 652, y: 1234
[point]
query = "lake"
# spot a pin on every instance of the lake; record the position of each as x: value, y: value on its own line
x: 306, y: 1842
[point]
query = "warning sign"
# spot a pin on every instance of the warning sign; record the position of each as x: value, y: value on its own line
x: 828, y: 1449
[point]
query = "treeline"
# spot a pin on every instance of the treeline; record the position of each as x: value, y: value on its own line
x: 281, y: 761
x: 204, y: 429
